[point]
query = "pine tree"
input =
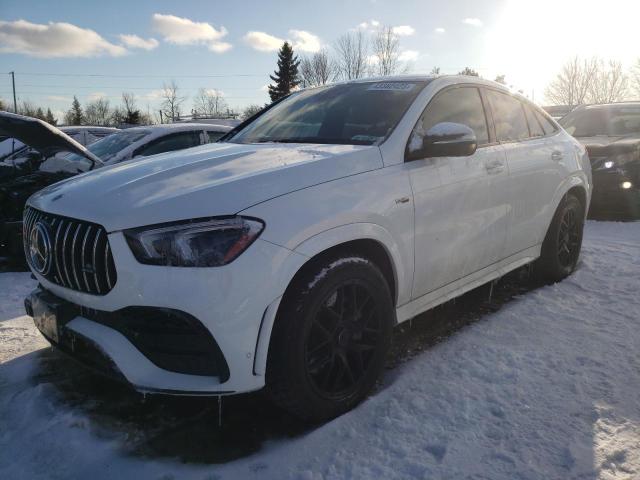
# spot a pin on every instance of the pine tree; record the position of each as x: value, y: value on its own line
x: 74, y: 116
x: 39, y: 113
x: 286, y: 77
x: 49, y: 118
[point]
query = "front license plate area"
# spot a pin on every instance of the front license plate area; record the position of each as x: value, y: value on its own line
x: 50, y: 314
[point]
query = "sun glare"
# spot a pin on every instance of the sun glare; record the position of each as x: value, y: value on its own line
x: 529, y: 41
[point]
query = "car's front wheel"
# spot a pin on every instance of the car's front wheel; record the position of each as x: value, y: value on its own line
x: 330, y: 338
x: 562, y: 244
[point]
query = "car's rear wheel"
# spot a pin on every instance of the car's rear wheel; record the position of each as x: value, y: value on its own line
x: 330, y: 339
x: 562, y: 244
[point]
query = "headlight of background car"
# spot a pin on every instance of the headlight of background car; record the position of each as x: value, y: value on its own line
x: 207, y: 243
x: 616, y: 162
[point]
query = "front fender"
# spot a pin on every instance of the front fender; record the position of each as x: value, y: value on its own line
x: 332, y: 237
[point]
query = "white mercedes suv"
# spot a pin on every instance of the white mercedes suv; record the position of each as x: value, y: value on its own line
x: 284, y: 255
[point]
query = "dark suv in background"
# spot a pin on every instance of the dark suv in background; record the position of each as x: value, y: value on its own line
x: 611, y: 134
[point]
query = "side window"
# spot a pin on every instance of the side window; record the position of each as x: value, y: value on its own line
x: 534, y: 125
x: 508, y: 117
x: 457, y: 105
x: 548, y: 127
x: 212, y: 137
x: 169, y: 143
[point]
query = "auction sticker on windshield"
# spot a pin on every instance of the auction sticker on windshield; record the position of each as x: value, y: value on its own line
x: 395, y: 86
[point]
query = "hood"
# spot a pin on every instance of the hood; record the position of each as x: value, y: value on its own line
x: 605, y: 145
x: 41, y: 136
x: 212, y: 180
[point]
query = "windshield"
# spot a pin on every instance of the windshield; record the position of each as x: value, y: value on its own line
x: 590, y: 122
x: 353, y: 114
x: 108, y: 147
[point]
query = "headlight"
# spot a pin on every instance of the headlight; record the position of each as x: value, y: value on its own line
x: 615, y: 162
x: 206, y: 243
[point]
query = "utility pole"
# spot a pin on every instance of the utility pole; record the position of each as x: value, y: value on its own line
x: 13, y: 82
x: 161, y: 120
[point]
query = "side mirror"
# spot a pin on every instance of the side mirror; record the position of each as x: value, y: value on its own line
x: 445, y: 139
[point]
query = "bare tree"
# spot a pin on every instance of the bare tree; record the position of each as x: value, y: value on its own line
x: 129, y: 102
x: 318, y: 69
x: 610, y: 83
x: 386, y: 52
x: 435, y: 71
x: 171, y: 100
x: 250, y: 111
x: 352, y: 50
x: 573, y: 84
x: 209, y: 103
x: 98, y: 112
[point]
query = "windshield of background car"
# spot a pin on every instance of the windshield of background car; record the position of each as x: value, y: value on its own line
x: 590, y: 122
x: 351, y: 114
x: 107, y: 147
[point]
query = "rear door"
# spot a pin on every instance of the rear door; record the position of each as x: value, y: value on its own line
x: 458, y: 227
x: 533, y: 158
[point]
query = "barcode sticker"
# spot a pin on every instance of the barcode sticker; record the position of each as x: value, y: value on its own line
x: 395, y: 86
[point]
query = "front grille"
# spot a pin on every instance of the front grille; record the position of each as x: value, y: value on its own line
x: 81, y: 258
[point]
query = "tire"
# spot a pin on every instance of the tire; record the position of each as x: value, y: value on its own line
x: 330, y: 338
x: 562, y: 244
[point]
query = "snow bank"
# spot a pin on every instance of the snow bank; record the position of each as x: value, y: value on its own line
x: 547, y: 387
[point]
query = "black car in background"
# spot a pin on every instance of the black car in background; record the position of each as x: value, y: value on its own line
x: 611, y: 134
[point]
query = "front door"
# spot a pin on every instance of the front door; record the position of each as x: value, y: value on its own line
x: 461, y: 227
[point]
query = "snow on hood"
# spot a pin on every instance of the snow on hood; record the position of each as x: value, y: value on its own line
x: 215, y: 179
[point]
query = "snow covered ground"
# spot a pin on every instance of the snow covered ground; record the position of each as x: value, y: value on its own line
x: 547, y: 387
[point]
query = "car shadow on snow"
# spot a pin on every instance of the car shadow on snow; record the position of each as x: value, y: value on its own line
x: 187, y: 428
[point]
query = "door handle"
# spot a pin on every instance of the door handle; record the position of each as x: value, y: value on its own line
x: 556, y: 156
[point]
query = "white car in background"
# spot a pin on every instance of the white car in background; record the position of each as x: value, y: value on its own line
x: 14, y: 153
x: 284, y: 255
x: 144, y: 141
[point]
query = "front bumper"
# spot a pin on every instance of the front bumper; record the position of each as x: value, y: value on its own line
x: 231, y: 302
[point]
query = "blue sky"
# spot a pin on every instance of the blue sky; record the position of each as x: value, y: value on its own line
x: 526, y: 40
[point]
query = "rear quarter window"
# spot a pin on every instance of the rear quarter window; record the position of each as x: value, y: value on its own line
x: 508, y: 117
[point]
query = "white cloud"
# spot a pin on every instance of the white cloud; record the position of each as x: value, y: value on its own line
x: 263, y: 42
x: 54, y: 40
x: 305, y: 41
x: 301, y: 40
x: 134, y: 41
x: 474, y: 22
x: 57, y: 98
x: 408, y: 55
x: 153, y: 94
x: 264, y: 88
x: 371, y: 24
x: 439, y: 30
x: 96, y: 95
x: 182, y: 31
x: 404, y: 30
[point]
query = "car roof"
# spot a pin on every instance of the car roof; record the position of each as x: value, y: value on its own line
x: 607, y: 106
x: 429, y: 78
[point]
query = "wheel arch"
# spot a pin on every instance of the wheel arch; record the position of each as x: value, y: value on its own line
x: 574, y: 184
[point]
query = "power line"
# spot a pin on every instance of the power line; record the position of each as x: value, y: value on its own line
x: 23, y: 92
x: 155, y: 87
x: 103, y: 75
